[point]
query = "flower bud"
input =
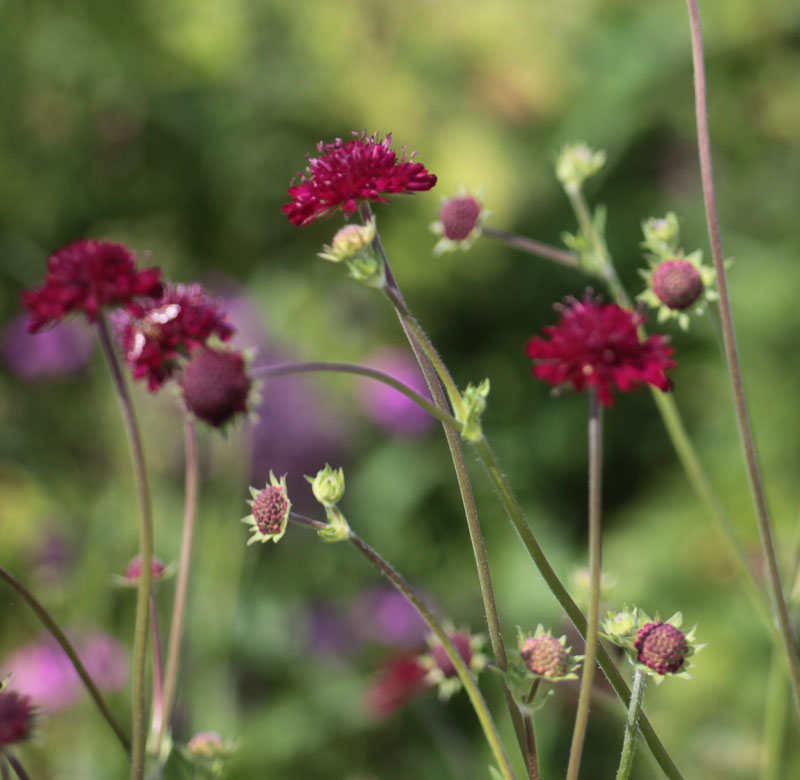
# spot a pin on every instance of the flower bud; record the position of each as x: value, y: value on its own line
x: 545, y: 655
x: 662, y: 647
x: 349, y: 242
x: 328, y: 485
x: 661, y: 234
x: 677, y: 284
x: 474, y: 405
x: 216, y: 385
x: 459, y: 217
x: 271, y: 507
x: 158, y: 572
x: 576, y: 163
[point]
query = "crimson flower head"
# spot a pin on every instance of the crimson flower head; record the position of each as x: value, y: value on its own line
x: 400, y: 677
x: 167, y: 328
x: 16, y: 718
x: 85, y: 276
x: 346, y: 172
x: 597, y: 345
x: 216, y: 385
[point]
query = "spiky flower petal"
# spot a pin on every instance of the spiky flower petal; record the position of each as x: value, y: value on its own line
x: 597, y: 346
x: 346, y: 172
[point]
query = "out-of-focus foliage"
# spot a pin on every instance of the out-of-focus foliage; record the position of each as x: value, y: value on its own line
x: 176, y: 126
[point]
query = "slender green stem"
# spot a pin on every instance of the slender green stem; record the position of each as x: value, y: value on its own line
x: 158, y: 667
x: 631, y: 726
x: 15, y: 764
x: 734, y: 369
x: 50, y: 624
x: 530, y: 735
x: 570, y: 259
x: 138, y: 695
x: 615, y: 678
x: 182, y: 580
x: 595, y: 542
x: 285, y: 369
x: 463, y: 671
x: 5, y: 774
x: 776, y: 710
x: 436, y: 374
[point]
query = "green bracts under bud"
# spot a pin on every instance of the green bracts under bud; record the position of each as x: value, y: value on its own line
x: 576, y: 163
x: 473, y: 407
x: 337, y: 529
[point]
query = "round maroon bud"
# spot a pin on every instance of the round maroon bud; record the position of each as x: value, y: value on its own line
x: 270, y: 507
x: 16, y: 718
x: 134, y: 570
x: 462, y: 643
x: 544, y: 655
x: 662, y: 647
x: 215, y: 385
x: 677, y: 284
x: 458, y: 217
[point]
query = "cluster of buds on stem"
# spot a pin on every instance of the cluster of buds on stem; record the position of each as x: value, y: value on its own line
x: 328, y: 489
x: 354, y: 245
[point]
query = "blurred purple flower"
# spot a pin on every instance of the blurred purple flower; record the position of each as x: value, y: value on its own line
x: 384, y: 616
x: 52, y: 556
x: 42, y: 671
x: 386, y: 406
x: 328, y: 631
x: 59, y: 350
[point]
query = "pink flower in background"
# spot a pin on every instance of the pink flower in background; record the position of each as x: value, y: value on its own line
x: 384, y: 616
x: 400, y: 678
x: 62, y: 349
x: 393, y: 411
x: 42, y: 671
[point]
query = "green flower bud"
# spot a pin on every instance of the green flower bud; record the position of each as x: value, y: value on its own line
x: 474, y: 405
x: 328, y: 485
x: 349, y: 242
x: 576, y: 163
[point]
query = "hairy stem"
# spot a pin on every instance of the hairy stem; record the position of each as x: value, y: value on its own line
x: 734, y: 369
x: 631, y: 726
x: 615, y: 678
x: 55, y: 631
x: 464, y: 673
x: 438, y: 379
x: 595, y: 515
x: 139, y: 661
x: 182, y: 581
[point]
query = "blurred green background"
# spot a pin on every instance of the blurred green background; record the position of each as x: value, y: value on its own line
x: 176, y: 126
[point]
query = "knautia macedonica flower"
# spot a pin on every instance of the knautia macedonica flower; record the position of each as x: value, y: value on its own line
x: 597, y: 346
x: 16, y: 718
x: 270, y: 514
x: 459, y: 223
x: 166, y: 329
x: 87, y: 276
x: 545, y: 656
x: 400, y: 677
x: 656, y: 647
x: 216, y: 385
x: 441, y: 670
x: 348, y: 172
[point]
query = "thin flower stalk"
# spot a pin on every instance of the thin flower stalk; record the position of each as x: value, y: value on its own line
x: 604, y: 660
x: 673, y: 422
x: 16, y: 765
x: 732, y: 359
x: 530, y: 735
x: 138, y: 694
x: 531, y: 246
x: 463, y: 671
x: 595, y: 515
x: 438, y: 379
x: 631, y: 726
x: 181, y: 582
x: 158, y: 667
x: 55, y: 631
x: 776, y: 711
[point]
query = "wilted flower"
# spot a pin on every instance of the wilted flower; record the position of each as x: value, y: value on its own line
x: 216, y: 385
x: 167, y: 329
x: 86, y: 276
x: 270, y: 514
x: 597, y: 345
x: 346, y: 172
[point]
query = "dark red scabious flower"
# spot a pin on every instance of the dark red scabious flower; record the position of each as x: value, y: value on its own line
x: 662, y: 647
x: 16, y: 718
x: 346, y: 172
x: 85, y: 276
x: 165, y: 329
x: 216, y: 385
x: 597, y: 345
x: 401, y: 677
